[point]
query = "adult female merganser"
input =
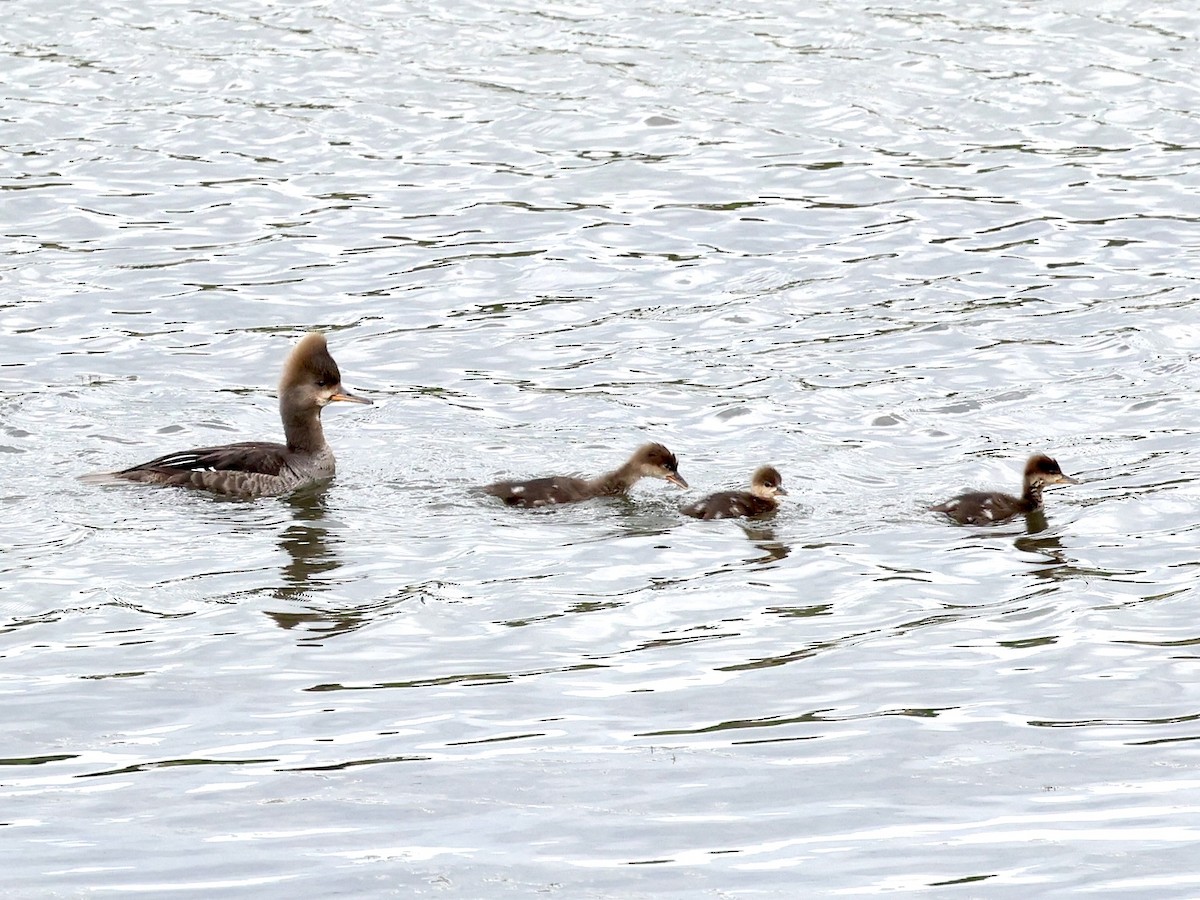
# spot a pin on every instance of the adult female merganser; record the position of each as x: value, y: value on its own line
x: 988, y: 508
x: 648, y: 461
x: 310, y: 382
x: 765, y: 487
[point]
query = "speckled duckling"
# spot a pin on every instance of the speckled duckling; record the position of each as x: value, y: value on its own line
x: 766, y: 486
x: 991, y: 507
x: 648, y: 461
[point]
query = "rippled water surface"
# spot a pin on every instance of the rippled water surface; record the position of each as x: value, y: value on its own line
x: 892, y: 250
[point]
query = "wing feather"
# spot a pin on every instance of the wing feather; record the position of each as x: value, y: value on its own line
x: 259, y: 457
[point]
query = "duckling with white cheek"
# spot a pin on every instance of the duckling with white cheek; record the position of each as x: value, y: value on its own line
x: 765, y: 487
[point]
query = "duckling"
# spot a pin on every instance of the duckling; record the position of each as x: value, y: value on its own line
x: 250, y: 469
x: 648, y: 461
x: 765, y: 487
x: 990, y: 507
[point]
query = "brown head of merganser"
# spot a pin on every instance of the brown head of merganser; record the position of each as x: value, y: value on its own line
x: 310, y: 382
x: 648, y: 461
x: 765, y: 487
x: 990, y: 507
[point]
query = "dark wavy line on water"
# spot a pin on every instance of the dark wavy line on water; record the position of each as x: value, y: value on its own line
x: 356, y: 763
x: 38, y: 760
x: 174, y: 763
x: 472, y: 679
x: 811, y: 718
x: 1105, y: 723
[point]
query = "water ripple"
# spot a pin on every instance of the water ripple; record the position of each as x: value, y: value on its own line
x: 892, y: 251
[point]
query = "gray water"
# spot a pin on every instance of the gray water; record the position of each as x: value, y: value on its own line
x: 892, y: 250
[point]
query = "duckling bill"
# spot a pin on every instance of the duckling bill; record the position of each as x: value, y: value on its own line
x: 766, y: 486
x: 648, y: 461
x: 990, y: 508
x: 310, y: 382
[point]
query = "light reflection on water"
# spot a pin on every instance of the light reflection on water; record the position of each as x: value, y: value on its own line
x: 891, y: 251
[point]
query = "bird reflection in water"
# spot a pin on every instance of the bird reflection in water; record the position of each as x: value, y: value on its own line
x: 1054, y: 565
x: 312, y: 560
x: 763, y: 538
x: 308, y: 546
x: 1035, y: 522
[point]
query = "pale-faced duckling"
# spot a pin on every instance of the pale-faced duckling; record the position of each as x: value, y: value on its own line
x: 648, y: 461
x: 310, y: 382
x: 765, y: 487
x: 990, y: 507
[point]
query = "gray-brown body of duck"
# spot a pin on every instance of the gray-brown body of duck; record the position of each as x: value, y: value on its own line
x: 765, y: 487
x: 988, y: 508
x: 648, y: 461
x: 310, y: 382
